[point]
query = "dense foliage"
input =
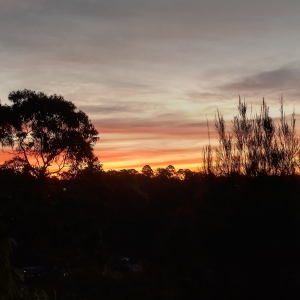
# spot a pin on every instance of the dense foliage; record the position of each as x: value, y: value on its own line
x: 45, y: 134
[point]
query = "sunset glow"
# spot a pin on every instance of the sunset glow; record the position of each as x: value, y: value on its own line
x: 150, y: 74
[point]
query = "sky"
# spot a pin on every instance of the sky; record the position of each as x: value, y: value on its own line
x: 150, y: 73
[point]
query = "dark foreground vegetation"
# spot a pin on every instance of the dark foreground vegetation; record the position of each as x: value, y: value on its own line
x: 230, y: 231
x: 202, y: 237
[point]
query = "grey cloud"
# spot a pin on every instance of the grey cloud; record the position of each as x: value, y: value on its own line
x: 200, y: 124
x: 130, y: 86
x: 195, y: 94
x: 74, y: 40
x: 139, y: 121
x: 154, y: 125
x: 117, y: 107
x: 71, y: 26
x: 279, y: 79
x: 199, y: 97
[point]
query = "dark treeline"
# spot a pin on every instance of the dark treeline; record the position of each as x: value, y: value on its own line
x: 201, y: 236
x: 229, y: 231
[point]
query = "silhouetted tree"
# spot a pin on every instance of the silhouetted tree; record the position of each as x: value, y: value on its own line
x: 86, y: 169
x: 162, y: 173
x: 180, y: 174
x: 172, y: 171
x: 45, y: 133
x: 257, y: 145
x: 167, y: 172
x: 130, y: 171
x: 183, y: 174
x: 147, y: 171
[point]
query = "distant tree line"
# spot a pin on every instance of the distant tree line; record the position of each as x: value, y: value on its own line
x: 168, y: 172
x: 210, y: 237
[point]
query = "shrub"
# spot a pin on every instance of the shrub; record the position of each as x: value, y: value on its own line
x: 256, y: 145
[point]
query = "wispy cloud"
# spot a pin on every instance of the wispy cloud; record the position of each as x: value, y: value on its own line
x: 149, y: 73
x: 104, y: 109
x: 274, y: 80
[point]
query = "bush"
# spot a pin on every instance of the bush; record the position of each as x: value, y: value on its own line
x: 256, y: 145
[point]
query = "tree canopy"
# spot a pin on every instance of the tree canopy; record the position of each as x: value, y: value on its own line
x: 45, y: 134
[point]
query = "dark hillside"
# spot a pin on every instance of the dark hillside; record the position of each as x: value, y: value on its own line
x: 116, y: 233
